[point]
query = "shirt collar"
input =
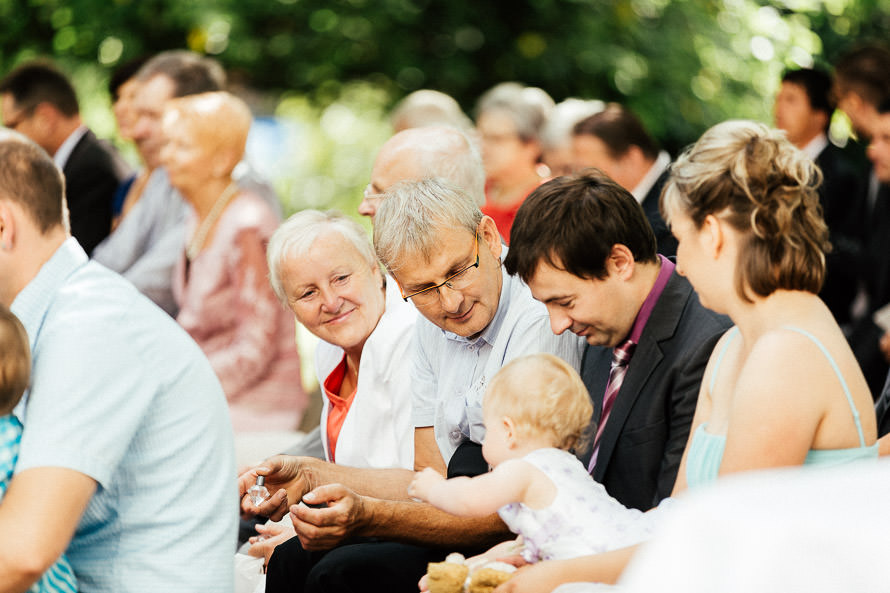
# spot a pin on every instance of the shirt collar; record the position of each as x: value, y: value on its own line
x: 651, y: 176
x: 664, y: 274
x: 815, y: 146
x: 67, y: 147
x: 32, y: 303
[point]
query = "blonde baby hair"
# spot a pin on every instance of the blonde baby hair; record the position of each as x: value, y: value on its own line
x: 543, y: 395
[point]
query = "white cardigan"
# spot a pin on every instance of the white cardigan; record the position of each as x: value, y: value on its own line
x: 378, y: 431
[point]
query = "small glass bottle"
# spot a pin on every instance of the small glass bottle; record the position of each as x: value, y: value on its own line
x: 258, y: 492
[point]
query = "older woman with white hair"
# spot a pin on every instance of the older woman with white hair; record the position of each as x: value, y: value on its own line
x: 323, y: 267
x: 225, y: 301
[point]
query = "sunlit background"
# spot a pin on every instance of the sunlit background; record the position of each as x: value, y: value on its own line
x: 322, y: 75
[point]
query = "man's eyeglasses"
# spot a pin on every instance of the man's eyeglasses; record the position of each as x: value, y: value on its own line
x: 457, y: 281
x: 371, y: 195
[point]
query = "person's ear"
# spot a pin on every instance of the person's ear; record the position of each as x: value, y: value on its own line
x: 620, y: 262
x: 489, y: 235
x: 510, y: 432
x: 713, y: 236
x: 7, y: 227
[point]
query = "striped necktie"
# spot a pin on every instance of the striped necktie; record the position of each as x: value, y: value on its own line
x: 620, y: 359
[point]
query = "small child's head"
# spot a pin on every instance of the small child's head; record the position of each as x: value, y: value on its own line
x: 15, y: 360
x: 542, y: 396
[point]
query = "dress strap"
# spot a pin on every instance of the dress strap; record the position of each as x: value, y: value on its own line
x: 732, y: 335
x: 840, y: 377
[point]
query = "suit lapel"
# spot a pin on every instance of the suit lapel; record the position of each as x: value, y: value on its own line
x: 661, y: 326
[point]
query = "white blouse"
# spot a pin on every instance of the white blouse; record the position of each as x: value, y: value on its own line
x: 378, y: 431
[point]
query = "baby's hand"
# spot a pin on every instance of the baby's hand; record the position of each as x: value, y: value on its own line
x: 423, y: 483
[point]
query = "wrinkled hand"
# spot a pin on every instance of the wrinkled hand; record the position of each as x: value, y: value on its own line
x: 324, y: 528
x: 270, y: 535
x: 423, y: 482
x: 284, y: 479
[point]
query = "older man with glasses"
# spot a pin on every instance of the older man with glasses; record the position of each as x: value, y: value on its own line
x: 446, y: 257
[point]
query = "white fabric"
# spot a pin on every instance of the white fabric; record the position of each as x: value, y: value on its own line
x: 377, y: 431
x: 582, y: 519
x: 450, y: 372
x: 819, y: 530
x: 815, y: 146
x: 658, y: 167
x: 67, y: 147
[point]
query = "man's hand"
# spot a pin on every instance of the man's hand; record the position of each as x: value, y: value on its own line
x: 286, y: 480
x: 423, y: 483
x: 324, y: 528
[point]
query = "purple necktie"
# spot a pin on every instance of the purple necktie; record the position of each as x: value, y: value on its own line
x: 620, y: 359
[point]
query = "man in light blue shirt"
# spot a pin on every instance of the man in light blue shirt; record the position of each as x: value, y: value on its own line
x: 123, y: 422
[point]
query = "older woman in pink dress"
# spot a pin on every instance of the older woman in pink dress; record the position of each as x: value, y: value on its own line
x: 220, y: 284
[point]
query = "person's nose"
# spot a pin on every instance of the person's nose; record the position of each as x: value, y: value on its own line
x: 367, y: 208
x: 330, y: 300
x: 450, y: 299
x: 139, y: 128
x: 559, y: 321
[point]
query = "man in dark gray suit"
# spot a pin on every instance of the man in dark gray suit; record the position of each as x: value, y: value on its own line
x: 40, y: 102
x: 583, y: 245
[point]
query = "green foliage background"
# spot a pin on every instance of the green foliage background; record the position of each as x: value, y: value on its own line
x: 334, y: 67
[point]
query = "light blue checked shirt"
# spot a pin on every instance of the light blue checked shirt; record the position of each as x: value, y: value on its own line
x: 450, y: 372
x: 59, y: 578
x: 120, y: 393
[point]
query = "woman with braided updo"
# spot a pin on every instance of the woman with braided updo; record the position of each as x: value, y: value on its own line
x: 782, y: 387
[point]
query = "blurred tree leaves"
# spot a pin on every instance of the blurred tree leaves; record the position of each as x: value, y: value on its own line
x: 683, y: 65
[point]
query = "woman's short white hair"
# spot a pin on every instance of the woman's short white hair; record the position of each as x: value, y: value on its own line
x: 412, y: 215
x: 296, y: 235
x: 527, y: 107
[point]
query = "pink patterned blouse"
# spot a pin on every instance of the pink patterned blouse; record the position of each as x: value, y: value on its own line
x: 226, y: 304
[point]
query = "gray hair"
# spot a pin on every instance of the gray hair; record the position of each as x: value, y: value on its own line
x: 414, y: 213
x: 428, y: 107
x: 296, y: 235
x: 456, y: 160
x: 557, y: 131
x: 527, y: 107
x: 191, y: 73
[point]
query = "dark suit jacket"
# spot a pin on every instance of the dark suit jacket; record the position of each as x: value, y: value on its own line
x: 843, y: 199
x: 875, y: 273
x: 644, y: 439
x: 665, y: 241
x: 92, y: 174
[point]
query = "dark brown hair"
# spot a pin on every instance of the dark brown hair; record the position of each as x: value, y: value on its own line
x: 619, y: 129
x: 572, y: 222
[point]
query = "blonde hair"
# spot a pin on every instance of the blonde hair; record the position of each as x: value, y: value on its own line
x: 15, y: 363
x: 220, y: 120
x: 755, y: 179
x: 543, y: 395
